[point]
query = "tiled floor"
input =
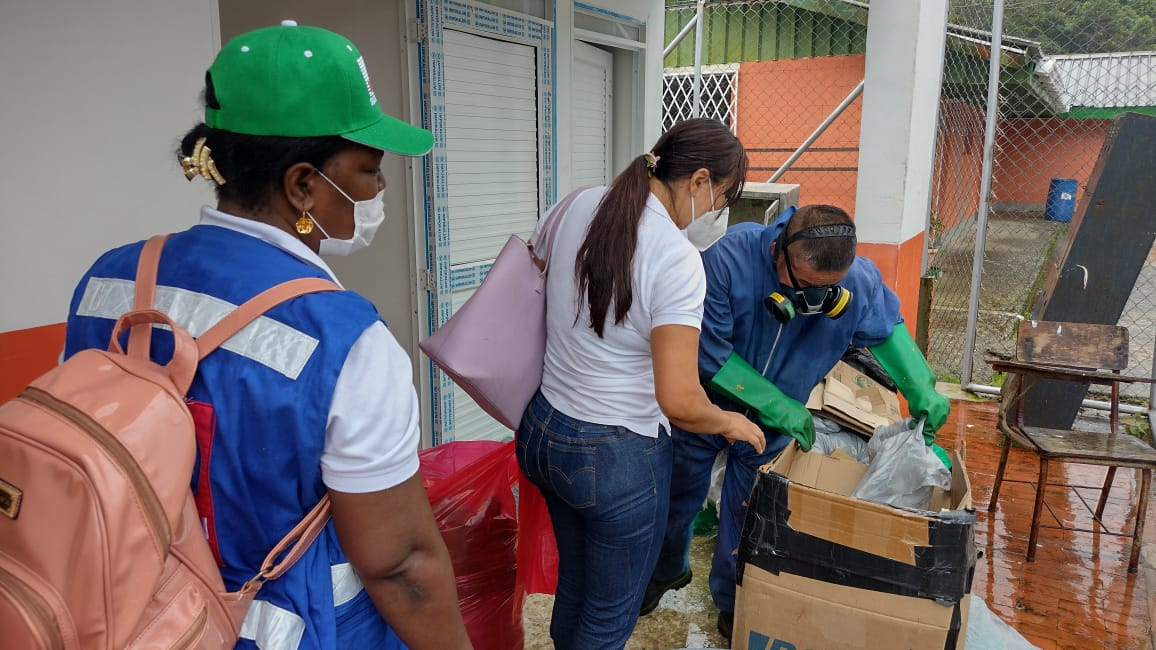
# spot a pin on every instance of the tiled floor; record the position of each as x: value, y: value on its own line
x: 1077, y: 594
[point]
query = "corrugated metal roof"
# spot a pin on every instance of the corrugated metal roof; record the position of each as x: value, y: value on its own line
x: 1110, y: 80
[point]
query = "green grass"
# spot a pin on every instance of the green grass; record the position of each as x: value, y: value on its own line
x: 1037, y: 285
x: 1136, y: 425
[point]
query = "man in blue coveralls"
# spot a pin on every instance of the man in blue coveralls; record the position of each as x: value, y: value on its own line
x: 784, y: 303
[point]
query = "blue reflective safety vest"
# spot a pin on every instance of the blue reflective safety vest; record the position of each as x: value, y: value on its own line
x: 261, y: 405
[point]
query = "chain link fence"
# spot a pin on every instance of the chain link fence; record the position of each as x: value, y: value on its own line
x: 775, y: 70
x: 1062, y: 79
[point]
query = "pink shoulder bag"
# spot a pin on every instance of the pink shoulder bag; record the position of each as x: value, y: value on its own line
x: 494, y: 345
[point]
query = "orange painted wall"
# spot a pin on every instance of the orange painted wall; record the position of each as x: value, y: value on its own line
x: 1031, y: 152
x: 901, y: 267
x: 27, y: 354
x: 780, y: 103
x: 958, y: 163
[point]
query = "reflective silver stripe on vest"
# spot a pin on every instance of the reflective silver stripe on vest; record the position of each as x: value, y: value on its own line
x: 274, y: 628
x: 346, y: 584
x: 266, y: 341
x: 271, y: 627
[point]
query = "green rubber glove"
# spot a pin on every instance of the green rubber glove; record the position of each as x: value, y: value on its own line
x: 941, y: 454
x: 901, y: 358
x: 747, y: 386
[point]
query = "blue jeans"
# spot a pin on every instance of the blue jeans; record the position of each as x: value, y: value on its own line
x: 607, y: 490
x: 694, y: 456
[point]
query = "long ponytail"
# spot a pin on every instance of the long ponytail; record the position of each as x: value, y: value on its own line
x: 606, y: 258
x: 605, y: 261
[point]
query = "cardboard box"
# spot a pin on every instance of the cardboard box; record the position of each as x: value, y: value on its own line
x: 854, y: 400
x: 819, y: 570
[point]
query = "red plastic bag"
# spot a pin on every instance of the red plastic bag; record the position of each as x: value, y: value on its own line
x: 537, y: 548
x: 493, y: 526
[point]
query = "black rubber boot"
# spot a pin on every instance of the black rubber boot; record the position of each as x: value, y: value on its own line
x: 726, y: 625
x: 655, y: 590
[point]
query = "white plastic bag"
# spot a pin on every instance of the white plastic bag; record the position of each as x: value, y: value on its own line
x: 986, y: 631
x: 903, y: 469
x: 829, y: 436
x: 717, y: 473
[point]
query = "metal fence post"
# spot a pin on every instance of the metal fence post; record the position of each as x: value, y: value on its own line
x: 696, y: 109
x: 984, y: 189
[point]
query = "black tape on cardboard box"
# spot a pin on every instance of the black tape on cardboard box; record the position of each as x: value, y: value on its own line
x: 943, y: 569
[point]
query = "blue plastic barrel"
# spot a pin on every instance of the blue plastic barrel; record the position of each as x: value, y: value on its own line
x: 1061, y: 199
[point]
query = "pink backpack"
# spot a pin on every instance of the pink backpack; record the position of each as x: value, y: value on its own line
x: 100, y: 542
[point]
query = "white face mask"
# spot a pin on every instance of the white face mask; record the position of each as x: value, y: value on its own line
x: 704, y: 231
x: 367, y: 217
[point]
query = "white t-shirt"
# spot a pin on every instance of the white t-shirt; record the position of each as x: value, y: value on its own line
x: 610, y: 380
x: 373, y: 430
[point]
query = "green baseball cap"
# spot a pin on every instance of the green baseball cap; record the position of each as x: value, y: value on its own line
x: 298, y: 81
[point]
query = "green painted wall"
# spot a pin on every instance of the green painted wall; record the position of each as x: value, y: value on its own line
x: 762, y: 32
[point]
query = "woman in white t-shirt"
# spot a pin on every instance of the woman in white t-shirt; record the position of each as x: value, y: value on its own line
x: 621, y: 366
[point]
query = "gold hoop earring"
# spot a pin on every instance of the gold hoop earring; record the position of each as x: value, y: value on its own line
x: 304, y: 225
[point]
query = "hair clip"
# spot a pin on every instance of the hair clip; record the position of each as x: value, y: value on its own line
x: 200, y: 163
x: 651, y: 161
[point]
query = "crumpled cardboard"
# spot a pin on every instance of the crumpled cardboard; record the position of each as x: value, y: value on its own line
x: 854, y: 400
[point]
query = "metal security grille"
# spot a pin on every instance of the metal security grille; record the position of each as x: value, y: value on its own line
x: 718, y: 95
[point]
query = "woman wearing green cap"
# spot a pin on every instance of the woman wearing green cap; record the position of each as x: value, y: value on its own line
x: 318, y: 399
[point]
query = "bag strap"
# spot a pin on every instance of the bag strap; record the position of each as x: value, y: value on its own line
x: 311, y: 525
x: 301, y: 537
x: 255, y: 307
x: 183, y: 364
x: 144, y: 295
x: 550, y: 223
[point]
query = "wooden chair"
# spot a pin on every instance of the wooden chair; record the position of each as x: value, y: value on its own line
x: 1077, y: 352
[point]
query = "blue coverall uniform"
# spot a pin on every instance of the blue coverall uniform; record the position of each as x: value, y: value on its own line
x: 740, y: 273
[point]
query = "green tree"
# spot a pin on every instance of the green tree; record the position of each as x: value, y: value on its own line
x: 1070, y: 26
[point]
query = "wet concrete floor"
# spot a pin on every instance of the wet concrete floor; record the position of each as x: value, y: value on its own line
x: 1077, y: 594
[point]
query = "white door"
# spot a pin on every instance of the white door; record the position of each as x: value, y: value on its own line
x: 491, y: 107
x: 593, y: 96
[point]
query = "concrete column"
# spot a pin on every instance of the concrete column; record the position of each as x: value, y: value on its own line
x: 904, y: 67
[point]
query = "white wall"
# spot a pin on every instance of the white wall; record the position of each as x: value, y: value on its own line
x: 648, y: 102
x: 384, y: 272
x: 94, y: 97
x: 900, y: 108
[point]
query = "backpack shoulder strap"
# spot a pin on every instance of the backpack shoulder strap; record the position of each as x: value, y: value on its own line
x: 306, y: 531
x: 301, y: 537
x: 311, y: 525
x: 144, y: 294
x: 255, y: 307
